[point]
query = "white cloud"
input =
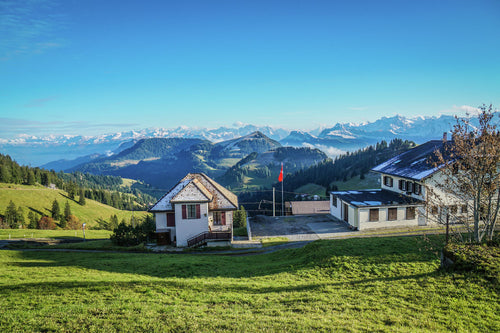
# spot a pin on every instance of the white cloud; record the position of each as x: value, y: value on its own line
x: 461, y: 110
x: 330, y: 151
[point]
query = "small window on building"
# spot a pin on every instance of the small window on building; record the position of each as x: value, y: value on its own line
x: 409, y: 187
x: 373, y: 215
x: 191, y: 211
x: 219, y: 218
x: 453, y: 209
x: 417, y: 188
x: 334, y: 200
x: 434, y: 210
x: 410, y: 213
x: 392, y: 214
x: 388, y: 181
x: 402, y: 185
x: 464, y: 209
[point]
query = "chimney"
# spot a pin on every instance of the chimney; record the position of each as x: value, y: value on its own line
x: 445, y: 136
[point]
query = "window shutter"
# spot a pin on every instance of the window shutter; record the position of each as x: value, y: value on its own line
x: 170, y: 220
x: 184, y: 212
x: 223, y: 218
x: 198, y: 211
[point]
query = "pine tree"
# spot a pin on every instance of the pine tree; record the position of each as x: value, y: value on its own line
x: 113, y: 222
x: 20, y: 220
x: 31, y: 180
x: 56, y: 211
x: 11, y: 214
x: 81, y: 201
x: 67, y: 211
x: 33, y: 218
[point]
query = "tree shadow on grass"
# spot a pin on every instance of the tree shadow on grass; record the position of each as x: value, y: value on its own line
x: 34, y: 210
x: 67, y: 197
x: 330, y: 258
x: 215, y: 286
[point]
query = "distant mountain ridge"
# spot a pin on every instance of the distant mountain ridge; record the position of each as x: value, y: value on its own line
x: 332, y: 140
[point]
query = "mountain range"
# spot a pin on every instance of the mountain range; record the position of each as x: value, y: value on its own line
x: 333, y: 140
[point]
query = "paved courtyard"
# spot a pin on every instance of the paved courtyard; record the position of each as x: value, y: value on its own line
x: 298, y: 228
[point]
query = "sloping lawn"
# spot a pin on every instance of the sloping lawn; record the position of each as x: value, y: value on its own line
x: 351, y: 285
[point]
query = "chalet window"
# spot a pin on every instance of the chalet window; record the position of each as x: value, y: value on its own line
x: 373, y: 215
x: 464, y: 209
x: 334, y: 200
x: 409, y: 187
x: 219, y: 218
x: 417, y: 188
x: 410, y: 213
x: 402, y: 185
x: 392, y: 214
x: 453, y: 209
x: 388, y: 181
x: 190, y: 211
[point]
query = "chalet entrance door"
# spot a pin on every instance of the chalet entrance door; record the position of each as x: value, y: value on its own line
x: 346, y: 214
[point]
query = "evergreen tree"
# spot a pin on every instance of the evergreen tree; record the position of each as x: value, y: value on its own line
x: 81, y: 201
x: 33, y: 220
x: 11, y: 214
x: 56, y: 211
x: 31, y: 178
x: 113, y: 222
x: 67, y: 211
x: 4, y: 174
x: 20, y: 220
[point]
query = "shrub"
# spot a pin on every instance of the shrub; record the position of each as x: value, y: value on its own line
x: 240, y: 218
x: 73, y: 223
x: 46, y: 223
x: 128, y: 235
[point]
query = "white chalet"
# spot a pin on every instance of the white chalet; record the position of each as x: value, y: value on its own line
x: 401, y: 199
x: 197, y: 210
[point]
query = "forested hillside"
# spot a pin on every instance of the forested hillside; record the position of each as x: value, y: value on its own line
x: 346, y: 166
x: 324, y: 173
x: 109, y: 190
x: 261, y: 170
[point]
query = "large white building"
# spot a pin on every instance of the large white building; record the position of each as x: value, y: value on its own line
x: 401, y: 199
x: 197, y: 210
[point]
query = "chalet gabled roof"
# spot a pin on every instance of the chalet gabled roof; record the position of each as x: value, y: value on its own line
x: 197, y: 187
x: 194, y: 191
x: 222, y: 196
x: 415, y: 163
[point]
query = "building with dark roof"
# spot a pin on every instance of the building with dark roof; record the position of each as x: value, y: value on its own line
x: 400, y: 201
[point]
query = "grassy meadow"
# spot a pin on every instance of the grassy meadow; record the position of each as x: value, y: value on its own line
x: 351, y: 285
x: 39, y: 199
x: 54, y: 234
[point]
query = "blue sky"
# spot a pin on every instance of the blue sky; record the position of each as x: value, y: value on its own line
x: 90, y: 67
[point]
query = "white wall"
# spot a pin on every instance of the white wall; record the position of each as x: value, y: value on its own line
x: 335, y: 211
x: 161, y: 224
x: 395, y: 186
x: 188, y: 228
x: 161, y: 220
x: 364, y: 216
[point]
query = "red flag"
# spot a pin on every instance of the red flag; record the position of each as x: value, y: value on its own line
x: 280, y: 178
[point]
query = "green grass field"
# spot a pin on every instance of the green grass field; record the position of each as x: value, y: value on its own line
x: 39, y: 199
x: 312, y: 189
x: 54, y: 234
x: 371, y: 181
x: 352, y: 285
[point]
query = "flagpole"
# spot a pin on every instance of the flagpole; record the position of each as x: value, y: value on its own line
x: 282, y: 195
